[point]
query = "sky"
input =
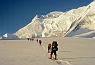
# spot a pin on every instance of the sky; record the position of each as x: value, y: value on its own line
x: 15, y: 14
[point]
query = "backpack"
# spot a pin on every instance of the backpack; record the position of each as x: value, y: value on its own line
x: 49, y: 45
x: 40, y: 41
x: 54, y: 46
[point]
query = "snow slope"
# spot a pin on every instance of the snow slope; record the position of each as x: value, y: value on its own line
x: 58, y: 23
x: 87, y: 23
x: 72, y: 51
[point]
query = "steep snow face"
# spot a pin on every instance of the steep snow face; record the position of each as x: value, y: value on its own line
x: 86, y: 28
x: 57, y: 23
x: 46, y: 25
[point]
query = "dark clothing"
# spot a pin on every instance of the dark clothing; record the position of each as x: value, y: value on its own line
x: 53, y: 52
x: 37, y: 40
x: 40, y: 42
x: 54, y: 46
x: 49, y: 48
x: 54, y: 49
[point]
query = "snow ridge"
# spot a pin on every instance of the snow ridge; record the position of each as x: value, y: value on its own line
x: 60, y: 24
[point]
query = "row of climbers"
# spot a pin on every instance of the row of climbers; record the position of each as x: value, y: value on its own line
x: 52, y: 48
x: 39, y: 41
x: 30, y: 39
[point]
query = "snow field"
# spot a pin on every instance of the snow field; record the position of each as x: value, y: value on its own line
x: 22, y: 52
x: 72, y: 51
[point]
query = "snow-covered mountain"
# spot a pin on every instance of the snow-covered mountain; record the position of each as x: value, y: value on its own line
x: 9, y: 36
x: 58, y: 23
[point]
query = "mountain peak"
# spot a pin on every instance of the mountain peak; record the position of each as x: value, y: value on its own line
x: 9, y: 36
x: 58, y: 23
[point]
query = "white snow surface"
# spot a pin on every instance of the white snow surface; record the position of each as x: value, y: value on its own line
x: 72, y: 51
x: 57, y: 23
